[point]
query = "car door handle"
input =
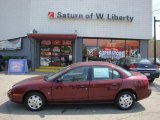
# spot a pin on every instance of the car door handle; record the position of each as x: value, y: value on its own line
x: 114, y: 84
x: 82, y: 86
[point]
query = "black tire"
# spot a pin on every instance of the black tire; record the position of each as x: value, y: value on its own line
x: 35, y: 101
x: 125, y: 100
x: 151, y: 80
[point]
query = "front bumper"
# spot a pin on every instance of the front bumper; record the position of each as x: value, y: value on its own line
x: 15, y: 97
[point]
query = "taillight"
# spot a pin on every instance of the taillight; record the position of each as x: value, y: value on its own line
x: 132, y: 67
x: 146, y: 83
x: 158, y: 67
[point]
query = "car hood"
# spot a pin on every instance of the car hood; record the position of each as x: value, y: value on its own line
x: 31, y: 80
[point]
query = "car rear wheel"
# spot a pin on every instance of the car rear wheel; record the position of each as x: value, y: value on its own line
x: 125, y: 100
x: 35, y: 101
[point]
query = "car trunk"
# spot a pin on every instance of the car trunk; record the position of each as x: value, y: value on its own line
x: 145, y: 67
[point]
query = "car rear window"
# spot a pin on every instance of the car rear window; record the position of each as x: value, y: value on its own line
x: 140, y: 60
x: 125, y: 71
x: 145, y: 61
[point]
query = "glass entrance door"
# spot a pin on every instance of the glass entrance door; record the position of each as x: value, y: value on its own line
x: 56, y: 52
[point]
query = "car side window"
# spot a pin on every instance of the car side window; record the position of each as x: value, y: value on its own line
x: 77, y: 74
x: 116, y: 74
x: 101, y: 73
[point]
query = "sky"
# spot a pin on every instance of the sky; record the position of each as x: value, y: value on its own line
x: 156, y: 6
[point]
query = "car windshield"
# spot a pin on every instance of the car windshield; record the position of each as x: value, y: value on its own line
x: 51, y: 76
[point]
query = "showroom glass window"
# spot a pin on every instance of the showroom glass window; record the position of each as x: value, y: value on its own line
x: 55, y: 52
x: 132, y: 48
x: 45, y: 52
x: 110, y: 50
x: 105, y: 49
x: 90, y: 49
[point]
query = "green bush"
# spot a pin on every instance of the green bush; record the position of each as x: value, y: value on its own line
x: 6, y: 58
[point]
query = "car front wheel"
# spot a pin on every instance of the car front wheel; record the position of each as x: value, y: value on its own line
x: 125, y: 100
x: 35, y: 101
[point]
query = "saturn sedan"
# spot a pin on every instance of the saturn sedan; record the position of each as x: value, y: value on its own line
x: 86, y: 82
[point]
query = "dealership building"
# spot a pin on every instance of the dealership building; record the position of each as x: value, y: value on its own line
x: 61, y: 32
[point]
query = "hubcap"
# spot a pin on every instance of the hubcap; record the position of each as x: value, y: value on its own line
x: 125, y: 101
x: 34, y: 102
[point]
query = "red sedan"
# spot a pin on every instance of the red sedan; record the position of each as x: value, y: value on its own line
x: 85, y: 82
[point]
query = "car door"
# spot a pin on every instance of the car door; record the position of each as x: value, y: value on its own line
x: 104, y: 83
x: 72, y: 86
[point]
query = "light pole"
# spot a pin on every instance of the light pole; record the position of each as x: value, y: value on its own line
x: 155, y: 48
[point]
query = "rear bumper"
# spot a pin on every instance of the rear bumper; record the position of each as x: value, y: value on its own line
x: 153, y: 74
x: 144, y: 94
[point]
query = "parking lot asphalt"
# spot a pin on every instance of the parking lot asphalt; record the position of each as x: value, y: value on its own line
x: 147, y: 109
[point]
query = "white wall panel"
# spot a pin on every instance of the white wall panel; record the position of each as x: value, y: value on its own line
x: 140, y: 28
x: 19, y: 17
x: 14, y: 18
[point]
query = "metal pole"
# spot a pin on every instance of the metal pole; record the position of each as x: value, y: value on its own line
x: 155, y: 40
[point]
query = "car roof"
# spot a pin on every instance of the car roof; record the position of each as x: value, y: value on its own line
x: 98, y: 63
x: 92, y: 63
